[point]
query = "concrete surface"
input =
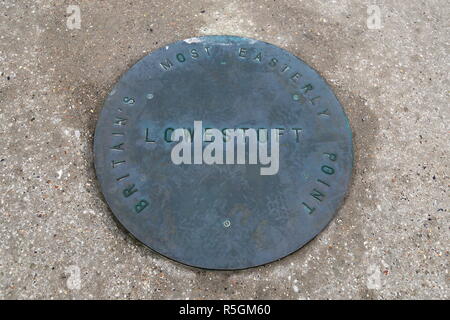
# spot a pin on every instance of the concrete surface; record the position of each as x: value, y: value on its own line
x: 391, y: 237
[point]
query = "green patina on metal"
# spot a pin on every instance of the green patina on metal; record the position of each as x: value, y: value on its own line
x: 223, y: 216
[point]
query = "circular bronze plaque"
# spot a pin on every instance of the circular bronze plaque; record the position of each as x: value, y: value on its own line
x: 223, y: 152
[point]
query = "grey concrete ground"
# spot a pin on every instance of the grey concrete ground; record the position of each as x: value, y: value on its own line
x: 390, y: 239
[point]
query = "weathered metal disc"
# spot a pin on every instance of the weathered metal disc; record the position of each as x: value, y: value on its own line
x: 222, y: 216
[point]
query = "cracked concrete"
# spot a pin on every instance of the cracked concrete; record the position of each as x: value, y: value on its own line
x: 390, y: 239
